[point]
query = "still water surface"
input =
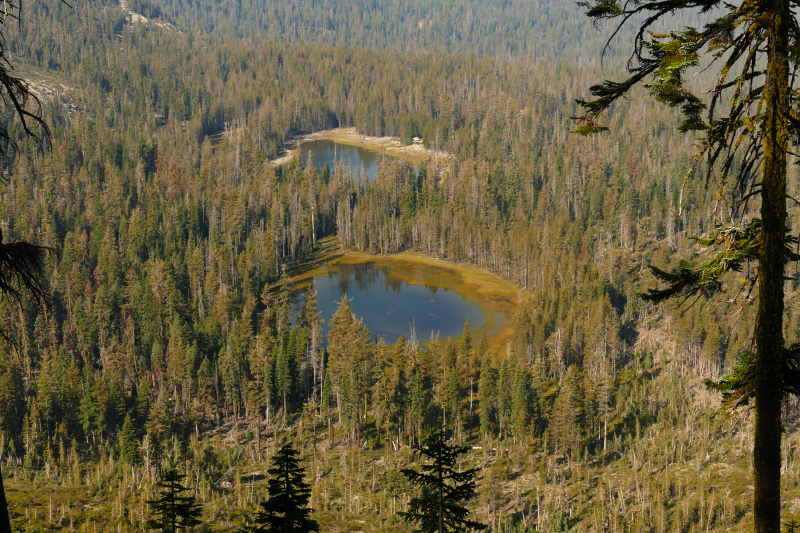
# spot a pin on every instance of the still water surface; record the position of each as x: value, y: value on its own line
x: 389, y: 305
x: 354, y: 157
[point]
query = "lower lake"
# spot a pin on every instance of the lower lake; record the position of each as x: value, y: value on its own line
x: 334, y: 154
x: 393, y: 300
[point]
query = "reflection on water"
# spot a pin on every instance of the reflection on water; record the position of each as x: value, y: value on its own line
x: 354, y: 157
x: 389, y: 305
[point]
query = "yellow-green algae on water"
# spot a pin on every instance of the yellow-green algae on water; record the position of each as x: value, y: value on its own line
x: 496, y: 297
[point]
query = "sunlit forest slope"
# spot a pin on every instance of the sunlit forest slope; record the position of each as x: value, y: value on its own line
x: 168, y: 341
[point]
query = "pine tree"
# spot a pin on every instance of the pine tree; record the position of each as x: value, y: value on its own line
x: 89, y: 410
x: 454, y: 400
x: 284, y: 312
x: 524, y: 403
x: 567, y: 418
x: 286, y: 508
x: 466, y: 347
x: 174, y: 512
x: 128, y: 443
x: 326, y: 402
x: 327, y: 396
x: 487, y: 395
x: 283, y: 372
x: 439, y: 507
x: 143, y: 401
x: 418, y: 400
x: 504, y: 386
x: 382, y: 390
x: 311, y: 319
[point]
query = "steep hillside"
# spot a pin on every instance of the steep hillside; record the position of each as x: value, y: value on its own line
x: 169, y: 342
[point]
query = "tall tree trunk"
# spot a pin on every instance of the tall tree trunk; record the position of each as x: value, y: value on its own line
x: 5, y: 522
x: 441, y: 503
x: 769, y: 322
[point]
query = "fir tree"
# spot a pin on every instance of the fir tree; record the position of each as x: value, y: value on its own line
x: 487, y: 395
x: 284, y: 314
x: 89, y: 410
x: 504, y: 385
x: 466, y: 342
x: 523, y: 403
x: 567, y: 418
x: 128, y: 443
x: 439, y: 507
x: 382, y: 391
x: 454, y: 400
x: 174, y: 511
x: 283, y: 372
x: 418, y: 399
x: 327, y: 396
x: 286, y: 509
x: 143, y: 401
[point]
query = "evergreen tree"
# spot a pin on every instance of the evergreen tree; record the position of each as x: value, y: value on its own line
x: 418, y: 400
x: 439, y: 507
x: 327, y: 396
x: 89, y: 410
x: 504, y: 389
x: 311, y: 319
x: 286, y: 509
x: 174, y: 511
x: 454, y: 400
x: 466, y: 346
x: 143, y: 401
x: 523, y: 403
x: 284, y: 311
x: 749, y: 119
x: 128, y: 443
x: 283, y: 372
x: 382, y: 390
x: 487, y: 395
x: 567, y: 418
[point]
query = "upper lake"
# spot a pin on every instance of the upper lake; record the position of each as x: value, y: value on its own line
x: 389, y: 305
x: 333, y: 153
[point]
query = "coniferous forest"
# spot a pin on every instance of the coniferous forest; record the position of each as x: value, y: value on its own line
x: 171, y: 345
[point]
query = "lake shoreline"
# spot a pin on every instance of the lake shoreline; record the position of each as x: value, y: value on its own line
x: 499, y: 299
x: 414, y: 153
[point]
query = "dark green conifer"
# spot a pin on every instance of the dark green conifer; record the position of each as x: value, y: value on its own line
x: 439, y: 507
x: 128, y: 443
x: 419, y: 400
x: 487, y: 395
x: 504, y: 385
x: 327, y: 395
x: 286, y: 510
x: 173, y: 511
x: 454, y: 399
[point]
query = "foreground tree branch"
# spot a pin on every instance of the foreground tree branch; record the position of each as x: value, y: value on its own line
x: 749, y: 140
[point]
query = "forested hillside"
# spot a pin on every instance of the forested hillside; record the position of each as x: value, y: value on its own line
x: 169, y: 341
x: 533, y: 31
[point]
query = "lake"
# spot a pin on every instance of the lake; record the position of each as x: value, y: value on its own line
x: 390, y: 305
x: 353, y: 157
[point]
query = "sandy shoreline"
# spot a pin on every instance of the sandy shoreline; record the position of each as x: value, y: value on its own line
x: 415, y: 153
